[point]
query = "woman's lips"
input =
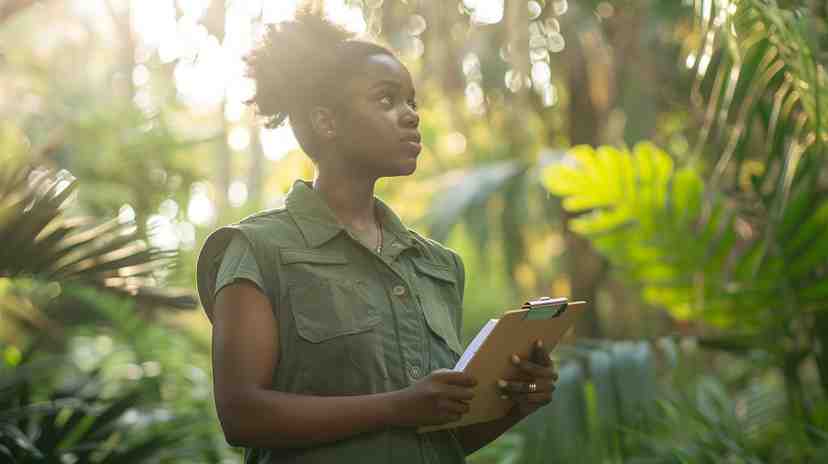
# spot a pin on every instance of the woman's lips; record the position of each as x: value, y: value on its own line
x: 412, y: 146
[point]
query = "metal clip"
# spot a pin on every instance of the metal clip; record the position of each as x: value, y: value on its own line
x: 544, y: 308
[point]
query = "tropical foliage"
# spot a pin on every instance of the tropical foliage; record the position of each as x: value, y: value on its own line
x: 51, y: 411
x: 71, y: 394
x: 735, y: 235
x: 688, y: 248
x: 45, y: 245
x: 640, y: 402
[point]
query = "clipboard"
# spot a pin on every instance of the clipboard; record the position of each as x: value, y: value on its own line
x: 488, y: 356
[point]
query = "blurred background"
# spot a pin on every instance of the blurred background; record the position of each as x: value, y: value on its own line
x: 663, y: 160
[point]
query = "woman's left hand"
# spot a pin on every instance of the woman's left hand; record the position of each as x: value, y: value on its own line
x: 536, y: 384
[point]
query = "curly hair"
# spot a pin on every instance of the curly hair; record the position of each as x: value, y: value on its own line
x: 301, y: 63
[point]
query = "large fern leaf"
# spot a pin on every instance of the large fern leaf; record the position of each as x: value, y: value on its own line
x: 688, y: 248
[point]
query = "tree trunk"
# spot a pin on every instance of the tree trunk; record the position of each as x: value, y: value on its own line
x: 586, y: 268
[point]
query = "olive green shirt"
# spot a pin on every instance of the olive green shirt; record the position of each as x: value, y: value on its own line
x: 351, y: 321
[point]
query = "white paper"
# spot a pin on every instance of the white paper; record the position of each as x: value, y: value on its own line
x: 475, y: 345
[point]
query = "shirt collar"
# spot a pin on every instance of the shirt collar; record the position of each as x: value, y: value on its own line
x: 318, y: 223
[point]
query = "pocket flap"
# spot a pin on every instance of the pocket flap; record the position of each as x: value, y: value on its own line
x: 326, y: 310
x: 439, y: 323
x: 291, y: 256
x: 438, y: 271
x: 316, y: 331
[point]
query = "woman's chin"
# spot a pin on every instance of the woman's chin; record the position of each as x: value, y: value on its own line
x: 409, y: 166
x: 401, y: 171
x: 404, y: 165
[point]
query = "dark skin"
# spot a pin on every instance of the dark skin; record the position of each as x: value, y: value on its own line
x: 372, y: 138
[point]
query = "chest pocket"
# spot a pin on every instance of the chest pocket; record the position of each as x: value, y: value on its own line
x: 338, y: 346
x: 439, y: 297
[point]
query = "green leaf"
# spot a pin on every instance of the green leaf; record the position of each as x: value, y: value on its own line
x: 606, y: 409
x: 474, y: 191
x: 41, y: 242
x: 816, y: 293
x: 566, y: 416
x: 807, y: 231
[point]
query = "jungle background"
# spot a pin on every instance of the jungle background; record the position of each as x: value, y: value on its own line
x: 662, y: 159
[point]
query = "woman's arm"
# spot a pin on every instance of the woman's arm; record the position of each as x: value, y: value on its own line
x: 245, y: 354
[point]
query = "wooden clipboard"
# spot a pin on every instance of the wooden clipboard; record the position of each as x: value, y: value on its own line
x: 546, y: 318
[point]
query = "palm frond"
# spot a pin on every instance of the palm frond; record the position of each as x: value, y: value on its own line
x: 42, y: 243
x: 43, y: 420
x: 760, y: 91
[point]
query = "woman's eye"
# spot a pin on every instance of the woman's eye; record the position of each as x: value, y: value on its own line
x: 386, y: 100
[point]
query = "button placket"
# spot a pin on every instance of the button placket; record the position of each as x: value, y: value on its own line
x: 410, y: 328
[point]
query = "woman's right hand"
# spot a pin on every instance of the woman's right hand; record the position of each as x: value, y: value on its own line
x: 440, y: 397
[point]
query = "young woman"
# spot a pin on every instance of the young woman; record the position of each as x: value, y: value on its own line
x: 333, y: 323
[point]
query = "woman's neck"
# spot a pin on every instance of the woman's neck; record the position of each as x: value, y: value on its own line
x: 351, y: 200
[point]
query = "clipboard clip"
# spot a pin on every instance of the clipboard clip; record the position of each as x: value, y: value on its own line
x: 544, y: 308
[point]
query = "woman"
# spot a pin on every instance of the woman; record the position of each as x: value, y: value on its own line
x: 333, y: 324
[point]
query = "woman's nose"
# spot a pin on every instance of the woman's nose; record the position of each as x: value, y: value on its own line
x: 411, y: 118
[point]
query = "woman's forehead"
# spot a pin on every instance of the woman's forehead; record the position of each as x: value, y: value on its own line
x: 381, y: 69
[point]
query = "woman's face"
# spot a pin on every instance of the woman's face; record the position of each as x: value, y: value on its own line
x: 377, y: 128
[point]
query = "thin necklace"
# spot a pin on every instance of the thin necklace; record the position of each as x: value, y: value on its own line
x: 379, y: 231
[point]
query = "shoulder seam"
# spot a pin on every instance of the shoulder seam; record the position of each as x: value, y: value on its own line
x: 429, y: 241
x: 435, y: 248
x: 265, y: 213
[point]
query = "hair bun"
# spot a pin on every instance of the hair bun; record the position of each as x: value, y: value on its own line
x: 294, y: 56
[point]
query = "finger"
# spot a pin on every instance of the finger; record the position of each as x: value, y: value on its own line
x: 454, y: 378
x: 445, y: 418
x: 534, y: 370
x: 512, y: 386
x: 540, y: 354
x: 453, y: 407
x: 456, y: 393
x: 538, y: 398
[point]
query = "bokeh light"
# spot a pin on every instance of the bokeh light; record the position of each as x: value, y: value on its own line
x: 485, y: 11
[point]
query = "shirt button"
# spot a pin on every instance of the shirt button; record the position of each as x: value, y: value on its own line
x: 398, y: 290
x: 414, y: 372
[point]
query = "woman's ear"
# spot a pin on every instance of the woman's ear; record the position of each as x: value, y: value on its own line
x: 323, y: 122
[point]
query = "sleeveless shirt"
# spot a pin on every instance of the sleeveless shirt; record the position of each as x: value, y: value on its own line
x: 351, y: 322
